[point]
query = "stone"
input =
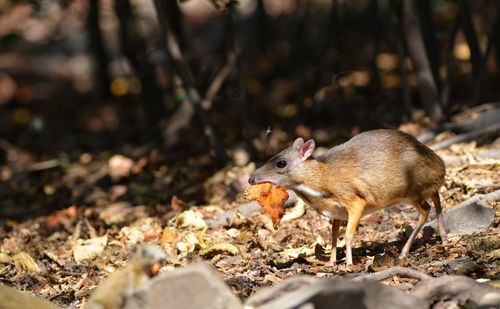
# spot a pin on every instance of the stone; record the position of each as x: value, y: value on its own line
x: 459, y: 291
x: 319, y: 293
x: 466, y: 219
x: 194, y: 286
x: 11, y: 298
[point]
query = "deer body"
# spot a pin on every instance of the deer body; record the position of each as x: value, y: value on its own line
x: 373, y: 170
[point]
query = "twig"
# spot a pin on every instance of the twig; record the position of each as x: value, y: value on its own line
x: 44, y: 165
x: 182, y: 116
x: 218, y: 80
x: 393, y: 271
x: 452, y: 161
x: 466, y: 136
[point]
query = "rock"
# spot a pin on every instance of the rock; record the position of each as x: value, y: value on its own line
x: 466, y: 219
x: 11, y: 298
x: 226, y: 218
x: 464, y: 266
x: 312, y: 292
x: 194, y: 286
x: 458, y: 291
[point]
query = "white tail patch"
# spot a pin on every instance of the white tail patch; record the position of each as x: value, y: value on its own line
x: 308, y: 191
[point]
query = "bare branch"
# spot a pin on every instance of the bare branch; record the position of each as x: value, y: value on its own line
x: 393, y: 271
x: 462, y: 138
x: 186, y: 76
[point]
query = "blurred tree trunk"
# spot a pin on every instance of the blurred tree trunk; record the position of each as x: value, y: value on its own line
x: 446, y: 88
x: 429, y: 34
x: 428, y: 89
x: 402, y: 54
x: 96, y: 46
x: 134, y: 47
x: 263, y: 29
x: 188, y: 83
x: 375, y: 38
x: 496, y: 36
x: 471, y: 37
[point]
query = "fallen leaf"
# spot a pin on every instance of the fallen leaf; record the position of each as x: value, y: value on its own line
x: 297, y: 211
x: 24, y: 261
x: 272, y: 199
x: 190, y: 218
x: 188, y: 243
x: 168, y: 237
x: 119, y: 166
x: 220, y: 248
x: 178, y: 205
x: 89, y: 248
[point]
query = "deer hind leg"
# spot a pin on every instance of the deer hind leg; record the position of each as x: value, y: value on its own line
x: 423, y: 209
x: 355, y: 211
x: 439, y: 215
x: 335, y: 235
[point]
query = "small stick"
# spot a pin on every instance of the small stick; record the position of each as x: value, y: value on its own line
x: 393, y: 271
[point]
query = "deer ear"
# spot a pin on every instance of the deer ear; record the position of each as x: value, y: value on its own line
x: 298, y: 143
x: 307, y: 149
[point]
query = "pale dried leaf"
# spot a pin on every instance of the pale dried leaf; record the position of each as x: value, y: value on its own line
x: 24, y: 261
x: 220, y: 248
x: 89, y: 248
x: 295, y: 212
x: 190, y: 218
x: 119, y: 166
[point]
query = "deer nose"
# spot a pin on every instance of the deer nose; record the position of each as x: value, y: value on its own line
x: 252, y: 180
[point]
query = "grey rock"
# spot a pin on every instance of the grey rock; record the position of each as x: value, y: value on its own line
x: 310, y: 292
x: 193, y: 286
x: 459, y: 291
x: 466, y: 219
x: 226, y: 218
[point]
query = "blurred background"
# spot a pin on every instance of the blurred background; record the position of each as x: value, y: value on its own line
x: 168, y: 92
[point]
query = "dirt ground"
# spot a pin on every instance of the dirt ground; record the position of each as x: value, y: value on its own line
x: 62, y: 256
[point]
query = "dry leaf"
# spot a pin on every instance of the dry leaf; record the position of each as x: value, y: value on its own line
x: 272, y: 199
x: 178, y: 205
x: 89, y: 248
x: 24, y: 261
x: 168, y: 237
x: 190, y: 218
x: 220, y: 248
x: 298, y: 210
x: 119, y: 166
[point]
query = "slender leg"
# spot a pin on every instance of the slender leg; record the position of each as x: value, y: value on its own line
x: 355, y: 212
x: 335, y: 235
x: 424, y: 209
x: 439, y: 216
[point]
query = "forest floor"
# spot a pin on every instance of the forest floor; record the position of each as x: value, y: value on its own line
x: 62, y: 256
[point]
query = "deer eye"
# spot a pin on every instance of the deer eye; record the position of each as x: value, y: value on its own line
x: 281, y: 164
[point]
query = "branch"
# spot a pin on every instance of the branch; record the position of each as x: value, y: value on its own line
x: 393, y: 271
x: 461, y: 138
x: 218, y: 80
x: 182, y: 116
x: 186, y: 76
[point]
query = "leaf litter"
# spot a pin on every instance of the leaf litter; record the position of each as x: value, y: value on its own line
x: 63, y: 255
